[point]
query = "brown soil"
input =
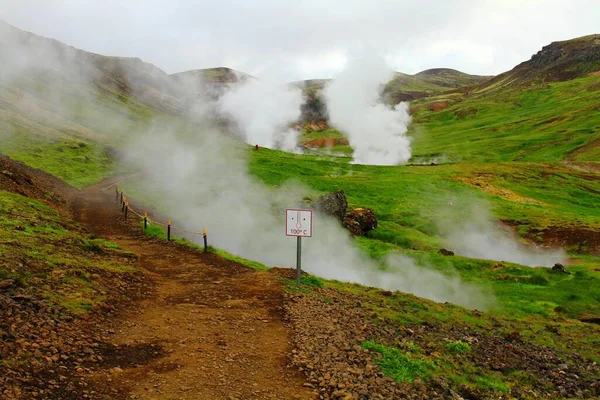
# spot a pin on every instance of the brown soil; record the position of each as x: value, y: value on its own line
x: 330, y: 325
x: 18, y: 178
x: 438, y: 106
x: 325, y: 142
x: 213, y: 330
x: 190, y: 326
x: 586, y: 240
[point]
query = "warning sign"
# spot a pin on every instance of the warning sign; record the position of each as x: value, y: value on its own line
x: 298, y: 222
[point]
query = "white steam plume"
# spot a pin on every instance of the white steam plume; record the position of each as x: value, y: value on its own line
x: 264, y: 112
x: 375, y: 131
x: 481, y: 237
x: 207, y: 172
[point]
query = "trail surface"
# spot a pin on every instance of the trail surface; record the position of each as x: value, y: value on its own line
x: 212, y: 330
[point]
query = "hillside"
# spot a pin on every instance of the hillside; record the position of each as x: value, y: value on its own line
x: 405, y: 87
x: 94, y: 306
x: 539, y: 111
x: 556, y: 62
x: 402, y: 87
x: 545, y: 109
x: 214, y: 75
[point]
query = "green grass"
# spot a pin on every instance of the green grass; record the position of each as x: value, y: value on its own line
x: 458, y: 347
x: 399, y: 365
x: 52, y: 256
x: 549, y: 122
x: 75, y: 144
x: 410, y: 202
x: 441, y: 352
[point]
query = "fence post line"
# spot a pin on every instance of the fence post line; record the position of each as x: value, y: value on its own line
x: 168, y: 230
x: 126, y: 208
x: 145, y: 220
x: 117, y: 194
x: 121, y: 195
x: 123, y: 205
x: 205, y: 240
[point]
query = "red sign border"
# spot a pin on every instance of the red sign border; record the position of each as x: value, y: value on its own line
x: 286, y: 221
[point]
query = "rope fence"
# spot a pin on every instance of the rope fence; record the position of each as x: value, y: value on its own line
x: 121, y: 199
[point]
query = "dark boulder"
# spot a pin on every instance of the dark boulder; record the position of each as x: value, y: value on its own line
x: 560, y: 268
x: 446, y: 252
x: 360, y: 221
x: 334, y: 204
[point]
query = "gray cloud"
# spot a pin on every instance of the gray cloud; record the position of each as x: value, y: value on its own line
x: 309, y: 39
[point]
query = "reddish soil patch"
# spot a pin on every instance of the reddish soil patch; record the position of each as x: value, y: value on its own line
x: 326, y: 142
x: 586, y: 240
x: 438, y: 105
x: 18, y: 178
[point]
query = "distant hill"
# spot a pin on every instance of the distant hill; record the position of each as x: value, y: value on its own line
x: 210, y: 82
x: 544, y: 109
x: 22, y: 53
x: 404, y: 87
x: 556, y: 62
x: 215, y: 75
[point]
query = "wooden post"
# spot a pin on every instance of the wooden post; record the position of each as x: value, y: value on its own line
x: 145, y: 220
x: 121, y: 195
x: 205, y: 240
x: 126, y: 208
x: 169, y: 230
x: 123, y: 205
x: 117, y: 194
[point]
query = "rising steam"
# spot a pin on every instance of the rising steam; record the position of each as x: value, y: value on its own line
x: 264, y: 112
x: 376, y: 132
x: 481, y: 237
x: 199, y: 176
x: 208, y: 173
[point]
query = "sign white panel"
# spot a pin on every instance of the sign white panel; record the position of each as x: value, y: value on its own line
x: 298, y: 222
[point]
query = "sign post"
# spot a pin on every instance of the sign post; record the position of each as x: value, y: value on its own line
x: 298, y: 223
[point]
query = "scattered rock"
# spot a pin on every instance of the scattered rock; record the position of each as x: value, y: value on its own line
x: 360, y: 221
x: 446, y: 252
x: 6, y: 283
x: 334, y: 204
x: 560, y: 268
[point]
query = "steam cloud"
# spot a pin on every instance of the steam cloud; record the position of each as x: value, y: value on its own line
x: 208, y: 173
x: 192, y: 161
x: 375, y: 131
x: 264, y: 112
x: 481, y: 237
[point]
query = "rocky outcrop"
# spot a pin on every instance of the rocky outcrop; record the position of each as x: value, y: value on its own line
x: 360, y: 221
x: 334, y: 204
x: 558, y: 267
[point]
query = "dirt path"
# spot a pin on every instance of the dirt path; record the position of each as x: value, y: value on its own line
x: 213, y: 330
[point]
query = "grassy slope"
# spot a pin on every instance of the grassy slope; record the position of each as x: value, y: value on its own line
x: 433, y: 81
x: 46, y: 253
x: 408, y: 360
x: 68, y: 136
x: 408, y: 201
x: 549, y: 122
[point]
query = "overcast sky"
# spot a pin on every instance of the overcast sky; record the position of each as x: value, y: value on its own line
x: 302, y: 39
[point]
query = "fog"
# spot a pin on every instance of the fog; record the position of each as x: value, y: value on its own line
x: 376, y: 132
x: 479, y: 235
x: 197, y: 174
